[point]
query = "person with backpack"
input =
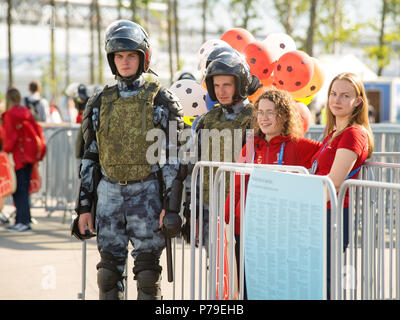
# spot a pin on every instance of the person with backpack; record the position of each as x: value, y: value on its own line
x: 24, y: 139
x: 38, y: 106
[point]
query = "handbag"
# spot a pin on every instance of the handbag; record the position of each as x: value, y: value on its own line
x: 36, y: 179
x: 8, y: 179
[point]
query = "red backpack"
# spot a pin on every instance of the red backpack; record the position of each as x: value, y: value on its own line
x: 33, y: 143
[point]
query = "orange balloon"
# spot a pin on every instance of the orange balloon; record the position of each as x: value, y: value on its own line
x: 259, y: 59
x: 238, y: 38
x: 305, y: 115
x: 293, y: 71
x: 315, y: 83
x: 265, y: 83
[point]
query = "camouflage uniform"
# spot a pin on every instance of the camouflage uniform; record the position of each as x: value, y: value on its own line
x: 238, y: 117
x: 224, y: 118
x: 126, y: 212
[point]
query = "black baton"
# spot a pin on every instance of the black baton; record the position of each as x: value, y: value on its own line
x: 170, y: 270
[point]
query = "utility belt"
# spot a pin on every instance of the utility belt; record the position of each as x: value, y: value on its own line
x: 151, y: 176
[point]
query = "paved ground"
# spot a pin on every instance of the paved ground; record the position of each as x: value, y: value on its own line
x: 47, y: 262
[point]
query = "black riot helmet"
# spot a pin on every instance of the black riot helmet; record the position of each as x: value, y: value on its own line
x: 217, y: 51
x: 125, y: 35
x: 228, y: 63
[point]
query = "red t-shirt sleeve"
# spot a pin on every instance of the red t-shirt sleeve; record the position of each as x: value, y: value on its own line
x: 306, y: 148
x: 354, y: 139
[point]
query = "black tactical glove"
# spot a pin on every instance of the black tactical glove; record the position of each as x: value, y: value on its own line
x: 75, y: 231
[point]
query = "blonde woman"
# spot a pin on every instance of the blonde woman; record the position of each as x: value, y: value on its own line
x: 348, y: 141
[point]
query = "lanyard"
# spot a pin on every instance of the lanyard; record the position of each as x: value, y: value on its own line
x: 315, y: 165
x: 280, y: 157
x: 315, y: 162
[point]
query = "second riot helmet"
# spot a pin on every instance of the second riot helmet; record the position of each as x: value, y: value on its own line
x: 228, y: 63
x: 125, y: 35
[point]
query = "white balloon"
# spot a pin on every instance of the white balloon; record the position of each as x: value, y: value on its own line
x: 278, y: 44
x: 206, y: 48
x: 192, y: 96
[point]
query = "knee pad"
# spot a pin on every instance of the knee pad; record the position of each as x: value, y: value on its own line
x: 148, y: 285
x: 109, y: 278
x: 148, y: 276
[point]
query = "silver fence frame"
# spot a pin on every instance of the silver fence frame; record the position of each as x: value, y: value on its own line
x: 219, y: 190
x: 386, y: 135
x: 217, y: 198
x: 374, y: 229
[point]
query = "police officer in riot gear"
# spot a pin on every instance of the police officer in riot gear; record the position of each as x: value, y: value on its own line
x: 228, y: 81
x: 129, y: 187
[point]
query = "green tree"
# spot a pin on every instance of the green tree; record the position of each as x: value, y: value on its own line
x: 289, y: 13
x: 10, y: 58
x: 388, y: 33
x: 334, y: 27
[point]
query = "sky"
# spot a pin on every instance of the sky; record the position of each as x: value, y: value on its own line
x: 32, y: 43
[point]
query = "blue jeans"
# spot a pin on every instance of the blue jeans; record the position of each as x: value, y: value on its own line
x: 21, y: 195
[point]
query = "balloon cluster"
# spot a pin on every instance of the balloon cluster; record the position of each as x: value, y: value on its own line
x: 274, y: 60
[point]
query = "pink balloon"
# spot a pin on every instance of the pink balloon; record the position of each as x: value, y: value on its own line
x: 305, y: 115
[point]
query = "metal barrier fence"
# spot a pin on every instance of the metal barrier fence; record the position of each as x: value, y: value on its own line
x: 387, y: 157
x: 371, y: 263
x: 386, y: 136
x: 203, y: 272
x: 219, y: 211
x: 61, y: 171
x: 58, y: 171
x: 371, y: 258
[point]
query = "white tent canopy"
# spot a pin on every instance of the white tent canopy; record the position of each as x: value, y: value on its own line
x: 335, y: 64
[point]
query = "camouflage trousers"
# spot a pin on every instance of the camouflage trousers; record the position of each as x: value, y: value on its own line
x: 129, y: 213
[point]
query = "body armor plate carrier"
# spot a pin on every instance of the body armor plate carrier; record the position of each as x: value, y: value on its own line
x: 124, y: 123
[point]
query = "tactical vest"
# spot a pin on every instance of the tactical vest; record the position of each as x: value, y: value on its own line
x: 124, y: 123
x: 214, y: 119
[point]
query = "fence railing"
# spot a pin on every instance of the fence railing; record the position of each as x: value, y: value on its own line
x: 59, y: 172
x: 371, y: 263
x: 386, y: 136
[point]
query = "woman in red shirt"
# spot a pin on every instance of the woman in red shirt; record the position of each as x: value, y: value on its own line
x: 12, y: 119
x: 278, y: 131
x: 348, y: 141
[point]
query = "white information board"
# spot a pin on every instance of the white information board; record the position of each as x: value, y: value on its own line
x: 285, y: 236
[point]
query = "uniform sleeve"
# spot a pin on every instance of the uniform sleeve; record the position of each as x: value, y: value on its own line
x: 168, y: 114
x: 306, y: 148
x: 86, y: 174
x: 354, y: 139
x: 89, y: 160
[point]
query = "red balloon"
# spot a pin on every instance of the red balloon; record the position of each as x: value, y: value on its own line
x: 238, y: 38
x: 305, y: 115
x: 293, y: 70
x: 258, y: 59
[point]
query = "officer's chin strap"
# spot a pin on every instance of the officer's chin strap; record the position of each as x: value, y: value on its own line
x: 229, y: 107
